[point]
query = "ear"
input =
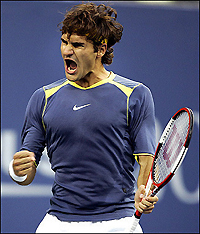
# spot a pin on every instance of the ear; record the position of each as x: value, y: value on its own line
x: 102, y: 50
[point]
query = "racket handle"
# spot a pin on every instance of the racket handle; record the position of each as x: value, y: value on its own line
x: 136, y: 221
x: 138, y: 214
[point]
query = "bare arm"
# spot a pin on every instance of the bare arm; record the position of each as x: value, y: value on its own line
x: 145, y: 205
x: 24, y: 164
x: 145, y: 163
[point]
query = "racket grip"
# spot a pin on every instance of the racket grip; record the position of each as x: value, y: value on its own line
x: 136, y: 221
x: 137, y: 214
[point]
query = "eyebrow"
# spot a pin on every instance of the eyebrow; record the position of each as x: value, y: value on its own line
x: 73, y: 43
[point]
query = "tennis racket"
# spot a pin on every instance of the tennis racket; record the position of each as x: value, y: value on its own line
x: 170, y: 152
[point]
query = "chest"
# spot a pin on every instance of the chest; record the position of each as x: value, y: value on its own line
x: 85, y: 111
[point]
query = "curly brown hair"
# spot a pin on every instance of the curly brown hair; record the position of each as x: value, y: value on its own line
x: 96, y: 23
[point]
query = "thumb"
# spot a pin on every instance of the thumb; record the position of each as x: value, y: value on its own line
x: 140, y: 193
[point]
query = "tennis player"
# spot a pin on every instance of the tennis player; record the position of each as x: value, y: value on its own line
x: 95, y: 124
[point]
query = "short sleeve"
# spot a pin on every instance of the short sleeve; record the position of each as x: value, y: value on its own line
x: 142, y: 121
x: 33, y: 132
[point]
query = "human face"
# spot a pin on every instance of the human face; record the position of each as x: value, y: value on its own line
x: 78, y: 56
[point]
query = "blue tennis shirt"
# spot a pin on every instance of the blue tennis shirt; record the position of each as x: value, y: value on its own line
x: 92, y: 136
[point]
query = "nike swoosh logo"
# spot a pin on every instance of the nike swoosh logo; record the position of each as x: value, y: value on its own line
x: 75, y: 108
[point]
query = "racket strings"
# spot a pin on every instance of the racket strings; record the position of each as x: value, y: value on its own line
x: 171, y: 147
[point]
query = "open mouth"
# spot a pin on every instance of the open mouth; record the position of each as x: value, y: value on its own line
x: 71, y: 66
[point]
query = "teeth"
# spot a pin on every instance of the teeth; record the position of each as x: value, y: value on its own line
x: 69, y: 68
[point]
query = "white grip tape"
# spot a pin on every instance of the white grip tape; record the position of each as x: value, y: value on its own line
x: 15, y: 177
x: 135, y: 223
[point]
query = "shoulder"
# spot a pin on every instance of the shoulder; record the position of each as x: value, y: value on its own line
x: 37, y: 95
x: 55, y: 84
x: 126, y: 82
x: 40, y: 93
x: 52, y: 88
x: 131, y: 87
x: 36, y: 102
x: 136, y: 91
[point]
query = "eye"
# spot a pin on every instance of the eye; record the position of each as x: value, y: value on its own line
x: 78, y: 44
x: 64, y: 41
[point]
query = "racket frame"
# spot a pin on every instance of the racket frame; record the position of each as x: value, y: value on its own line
x: 179, y: 158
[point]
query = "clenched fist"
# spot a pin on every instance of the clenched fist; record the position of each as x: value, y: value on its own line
x: 144, y: 204
x: 24, y: 164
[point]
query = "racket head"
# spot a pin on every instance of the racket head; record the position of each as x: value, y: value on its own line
x: 172, y: 147
x: 156, y: 177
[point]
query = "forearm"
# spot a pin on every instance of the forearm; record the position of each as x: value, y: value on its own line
x: 145, y: 163
x: 144, y: 204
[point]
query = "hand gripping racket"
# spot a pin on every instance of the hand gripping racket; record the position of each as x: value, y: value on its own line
x: 170, y: 152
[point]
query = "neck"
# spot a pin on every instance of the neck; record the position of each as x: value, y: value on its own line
x: 93, y: 77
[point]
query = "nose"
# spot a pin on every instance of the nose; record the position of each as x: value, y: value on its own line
x: 67, y: 50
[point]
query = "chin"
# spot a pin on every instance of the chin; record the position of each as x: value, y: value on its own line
x: 72, y: 77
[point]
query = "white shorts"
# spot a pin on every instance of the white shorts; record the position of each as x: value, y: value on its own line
x: 51, y: 224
